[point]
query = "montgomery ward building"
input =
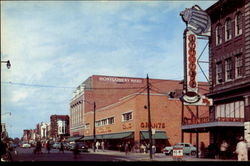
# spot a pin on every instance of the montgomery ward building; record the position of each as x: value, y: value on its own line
x: 120, y: 113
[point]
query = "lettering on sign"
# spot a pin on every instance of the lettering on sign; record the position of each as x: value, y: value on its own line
x: 120, y: 80
x: 153, y: 125
x: 126, y: 126
x: 103, y: 130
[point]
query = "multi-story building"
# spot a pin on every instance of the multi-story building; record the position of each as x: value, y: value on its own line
x: 59, y: 126
x: 229, y: 72
x: 4, y: 133
x: 120, y: 113
x: 43, y: 130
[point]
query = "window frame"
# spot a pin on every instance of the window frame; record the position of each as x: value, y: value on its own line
x: 218, y: 34
x: 238, y: 24
x: 228, y: 29
x: 228, y: 69
x: 219, y: 77
x: 125, y: 113
x: 239, y: 67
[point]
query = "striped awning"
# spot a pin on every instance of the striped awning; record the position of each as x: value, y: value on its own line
x: 71, y: 139
x: 157, y: 135
x: 111, y: 136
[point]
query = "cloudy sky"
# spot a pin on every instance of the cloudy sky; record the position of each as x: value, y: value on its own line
x: 54, y: 46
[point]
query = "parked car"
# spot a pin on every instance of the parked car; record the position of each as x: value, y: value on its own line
x: 25, y: 145
x: 187, y: 149
x: 56, y: 145
x: 82, y: 147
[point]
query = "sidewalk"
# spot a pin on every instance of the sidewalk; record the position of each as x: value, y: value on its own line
x: 157, y: 157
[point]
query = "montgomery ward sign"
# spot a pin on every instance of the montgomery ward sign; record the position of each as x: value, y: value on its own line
x: 120, y: 80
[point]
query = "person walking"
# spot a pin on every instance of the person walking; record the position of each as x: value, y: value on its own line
x: 126, y: 148
x: 38, y: 148
x: 241, y: 150
x: 223, y: 149
x: 97, y: 145
x: 61, y: 147
x: 48, y: 146
x: 76, y: 150
x: 102, y: 145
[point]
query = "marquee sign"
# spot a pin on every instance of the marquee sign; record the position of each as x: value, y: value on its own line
x: 198, y: 24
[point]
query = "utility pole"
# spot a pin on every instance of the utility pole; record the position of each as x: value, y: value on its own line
x: 94, y: 127
x: 149, y: 118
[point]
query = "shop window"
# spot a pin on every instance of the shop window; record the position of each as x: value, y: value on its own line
x: 127, y: 116
x: 229, y: 69
x: 238, y: 66
x: 228, y: 29
x: 230, y: 110
x: 238, y: 24
x: 218, y: 72
x: 218, y: 32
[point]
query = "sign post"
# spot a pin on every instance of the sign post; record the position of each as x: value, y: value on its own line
x: 177, y: 153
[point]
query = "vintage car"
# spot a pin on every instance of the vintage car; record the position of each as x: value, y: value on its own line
x: 187, y: 149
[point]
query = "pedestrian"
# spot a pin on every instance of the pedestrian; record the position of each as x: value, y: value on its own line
x: 76, y: 150
x: 153, y: 149
x: 61, y: 147
x: 126, y: 148
x: 97, y: 145
x: 48, y: 146
x: 241, y: 150
x: 223, y: 149
x: 102, y: 145
x: 38, y: 148
x: 202, y: 150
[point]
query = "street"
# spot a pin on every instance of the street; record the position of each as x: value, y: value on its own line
x: 26, y: 154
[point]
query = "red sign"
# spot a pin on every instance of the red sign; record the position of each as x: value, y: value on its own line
x: 153, y: 125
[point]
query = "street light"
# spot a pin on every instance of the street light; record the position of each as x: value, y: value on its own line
x: 7, y: 63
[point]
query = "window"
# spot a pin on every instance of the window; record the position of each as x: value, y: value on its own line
x: 229, y: 69
x: 98, y: 123
x: 104, y: 122
x: 218, y: 32
x: 230, y: 110
x: 238, y: 24
x: 127, y: 116
x: 111, y: 120
x: 218, y: 72
x: 238, y: 66
x: 87, y: 126
x: 228, y: 29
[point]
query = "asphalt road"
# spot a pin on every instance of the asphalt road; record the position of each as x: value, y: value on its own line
x: 26, y: 154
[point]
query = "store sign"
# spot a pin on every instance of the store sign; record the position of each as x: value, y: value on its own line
x: 197, y: 20
x: 101, y: 130
x: 126, y: 126
x: 120, y: 80
x: 153, y: 125
x: 198, y: 24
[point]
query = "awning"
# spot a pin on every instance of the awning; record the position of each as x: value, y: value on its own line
x: 157, y: 135
x: 111, y: 136
x: 71, y: 139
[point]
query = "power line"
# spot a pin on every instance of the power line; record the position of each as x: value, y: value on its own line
x: 64, y: 87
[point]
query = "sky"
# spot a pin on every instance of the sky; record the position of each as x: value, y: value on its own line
x: 54, y: 46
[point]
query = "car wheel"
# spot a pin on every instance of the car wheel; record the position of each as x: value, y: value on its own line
x: 193, y: 153
x: 171, y: 153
